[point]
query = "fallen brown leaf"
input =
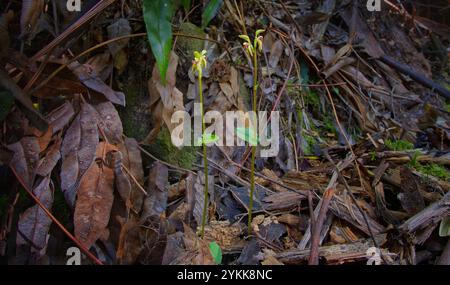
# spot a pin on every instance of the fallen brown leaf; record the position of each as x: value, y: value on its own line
x: 94, y: 199
x: 78, y: 150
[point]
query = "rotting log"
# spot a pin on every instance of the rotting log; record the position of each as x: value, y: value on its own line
x: 338, y: 253
x: 433, y: 214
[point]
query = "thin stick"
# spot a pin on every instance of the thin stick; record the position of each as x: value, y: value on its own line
x: 134, y: 180
x: 252, y: 165
x: 315, y: 237
x: 205, y: 158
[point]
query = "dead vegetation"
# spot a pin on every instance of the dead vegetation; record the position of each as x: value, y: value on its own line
x: 87, y: 161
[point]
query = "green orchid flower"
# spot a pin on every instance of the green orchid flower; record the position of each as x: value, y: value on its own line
x: 199, y: 61
x: 250, y: 48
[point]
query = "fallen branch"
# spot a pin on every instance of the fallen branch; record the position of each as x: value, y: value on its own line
x: 337, y: 253
x: 433, y: 214
x: 315, y: 237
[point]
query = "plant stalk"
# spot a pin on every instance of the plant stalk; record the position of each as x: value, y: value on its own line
x: 252, y: 167
x: 205, y: 158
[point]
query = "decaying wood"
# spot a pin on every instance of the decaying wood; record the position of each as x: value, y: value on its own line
x: 315, y: 237
x: 429, y: 216
x: 345, y: 209
x: 334, y: 253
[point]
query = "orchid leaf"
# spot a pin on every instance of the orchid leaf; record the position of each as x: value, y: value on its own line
x: 208, y: 138
x: 157, y: 18
x: 248, y: 135
x: 216, y: 252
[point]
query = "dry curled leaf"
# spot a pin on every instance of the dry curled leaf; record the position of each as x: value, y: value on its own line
x: 164, y: 99
x: 49, y: 161
x: 199, y: 189
x: 130, y: 243
x: 109, y: 121
x: 196, y: 249
x: 94, y: 199
x: 78, y: 150
x: 25, y: 158
x: 156, y: 202
x: 132, y: 160
x: 60, y: 117
x: 91, y: 79
x: 120, y: 27
x: 34, y: 223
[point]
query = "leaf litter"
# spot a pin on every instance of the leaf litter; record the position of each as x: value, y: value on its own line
x: 363, y: 158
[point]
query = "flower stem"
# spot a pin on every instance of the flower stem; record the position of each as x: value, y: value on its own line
x: 252, y: 167
x: 205, y: 158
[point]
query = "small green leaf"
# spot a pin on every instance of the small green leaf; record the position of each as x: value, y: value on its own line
x: 210, y: 11
x: 158, y: 17
x: 444, y: 228
x: 208, y: 138
x: 248, y: 135
x: 216, y: 252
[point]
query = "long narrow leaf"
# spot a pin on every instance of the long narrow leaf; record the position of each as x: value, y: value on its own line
x: 157, y: 17
x: 210, y: 11
x: 186, y: 4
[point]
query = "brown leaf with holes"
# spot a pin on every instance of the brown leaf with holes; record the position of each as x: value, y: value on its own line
x: 78, y: 150
x: 109, y: 121
x: 94, y: 199
x: 34, y: 224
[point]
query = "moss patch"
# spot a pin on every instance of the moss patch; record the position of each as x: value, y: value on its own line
x: 135, y: 116
x: 399, y: 145
x: 189, y: 45
x: 163, y: 149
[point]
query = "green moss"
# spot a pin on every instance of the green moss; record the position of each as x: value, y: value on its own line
x: 313, y: 100
x: 399, y: 145
x: 447, y: 107
x: 163, y: 149
x: 373, y: 155
x: 435, y: 170
x: 328, y: 125
x: 189, y: 45
x: 308, y: 143
x: 135, y: 117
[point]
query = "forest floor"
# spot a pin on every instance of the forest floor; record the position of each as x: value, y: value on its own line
x: 362, y: 170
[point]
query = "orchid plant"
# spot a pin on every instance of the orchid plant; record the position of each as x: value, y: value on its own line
x: 250, y: 135
x: 198, y: 64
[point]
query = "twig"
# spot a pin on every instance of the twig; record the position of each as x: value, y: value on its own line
x: 315, y: 237
x: 344, y: 182
x: 134, y: 180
